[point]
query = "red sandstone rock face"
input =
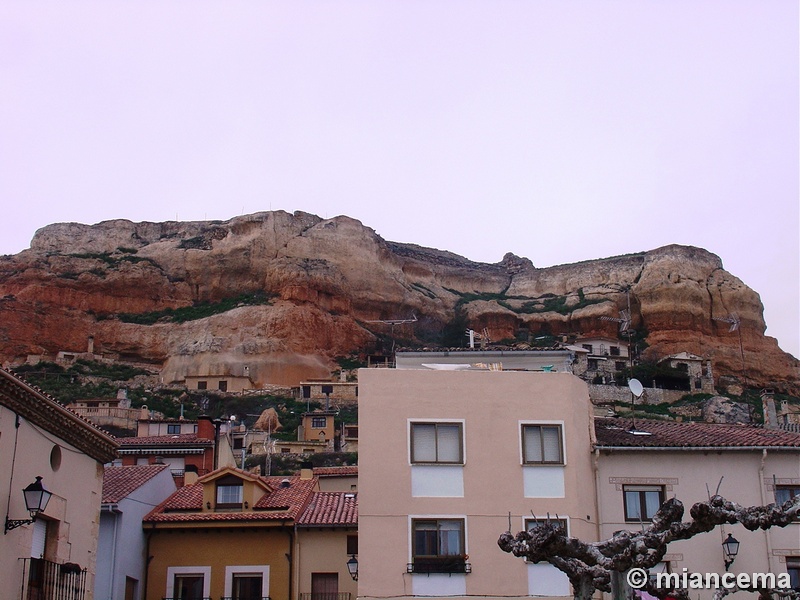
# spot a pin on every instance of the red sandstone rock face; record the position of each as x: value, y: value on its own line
x: 329, y: 278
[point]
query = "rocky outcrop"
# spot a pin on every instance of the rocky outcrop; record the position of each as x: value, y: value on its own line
x: 330, y: 283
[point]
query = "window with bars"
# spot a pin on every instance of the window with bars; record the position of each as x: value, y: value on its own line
x: 542, y: 445
x: 437, y: 443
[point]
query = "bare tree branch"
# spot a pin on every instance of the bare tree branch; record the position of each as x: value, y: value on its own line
x: 589, y: 565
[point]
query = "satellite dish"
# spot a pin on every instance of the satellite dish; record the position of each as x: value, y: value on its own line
x: 636, y: 387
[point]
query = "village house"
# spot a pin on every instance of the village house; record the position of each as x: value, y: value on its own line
x: 190, y: 448
x: 641, y: 464
x: 327, y: 547
x: 48, y: 549
x: 129, y: 493
x: 229, y: 535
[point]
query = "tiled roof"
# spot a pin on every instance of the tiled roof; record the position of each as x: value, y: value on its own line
x: 335, y: 471
x: 31, y: 403
x: 178, y: 439
x: 283, y: 503
x: 672, y: 434
x: 331, y: 509
x: 119, y: 482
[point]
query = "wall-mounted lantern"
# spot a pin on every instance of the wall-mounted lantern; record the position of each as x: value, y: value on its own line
x: 36, y: 499
x: 352, y: 567
x: 731, y: 548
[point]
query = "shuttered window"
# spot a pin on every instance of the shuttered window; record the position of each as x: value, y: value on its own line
x: 39, y: 539
x: 437, y: 443
x: 541, y: 444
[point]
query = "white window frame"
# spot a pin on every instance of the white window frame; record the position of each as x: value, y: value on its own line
x: 463, y: 448
x: 563, y: 441
x: 232, y: 570
x: 173, y: 571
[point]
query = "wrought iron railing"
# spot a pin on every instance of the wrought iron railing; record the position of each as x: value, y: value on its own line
x: 46, y: 580
x: 439, y: 564
x: 245, y: 598
x: 325, y: 596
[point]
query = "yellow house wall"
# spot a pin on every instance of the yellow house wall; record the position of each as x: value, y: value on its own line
x: 324, y: 551
x: 218, y: 548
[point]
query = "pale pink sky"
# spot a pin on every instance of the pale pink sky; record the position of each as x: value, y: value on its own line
x: 560, y: 131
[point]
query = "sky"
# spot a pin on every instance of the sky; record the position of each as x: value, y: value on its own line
x: 557, y: 130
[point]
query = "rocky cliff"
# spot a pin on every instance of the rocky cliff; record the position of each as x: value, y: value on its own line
x: 284, y: 294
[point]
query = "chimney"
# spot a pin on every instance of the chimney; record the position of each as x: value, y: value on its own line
x: 190, y: 475
x: 205, y: 427
x: 770, y: 415
x: 306, y: 470
x: 90, y: 345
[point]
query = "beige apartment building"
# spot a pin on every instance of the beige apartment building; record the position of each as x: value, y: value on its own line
x: 449, y: 460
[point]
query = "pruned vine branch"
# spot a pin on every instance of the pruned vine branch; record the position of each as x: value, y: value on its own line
x: 589, y: 565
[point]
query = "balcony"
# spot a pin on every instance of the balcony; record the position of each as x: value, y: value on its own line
x: 325, y: 596
x: 439, y: 564
x: 46, y: 580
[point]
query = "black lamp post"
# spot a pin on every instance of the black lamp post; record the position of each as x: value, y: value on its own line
x: 352, y: 567
x: 731, y: 548
x: 36, y: 499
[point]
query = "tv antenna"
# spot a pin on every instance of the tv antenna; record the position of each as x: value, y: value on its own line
x: 637, y: 389
x: 392, y: 323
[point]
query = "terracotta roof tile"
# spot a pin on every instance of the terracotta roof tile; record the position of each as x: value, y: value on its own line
x: 282, y: 503
x: 672, y: 434
x: 335, y: 471
x: 119, y: 482
x: 179, y: 439
x: 332, y: 509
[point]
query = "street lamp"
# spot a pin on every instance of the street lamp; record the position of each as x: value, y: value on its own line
x: 731, y: 548
x: 36, y: 499
x: 352, y: 567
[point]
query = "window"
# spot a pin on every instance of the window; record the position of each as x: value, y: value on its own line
x: 642, y: 501
x: 173, y: 428
x: 438, y: 546
x: 587, y: 347
x: 188, y: 587
x: 531, y: 523
x: 246, y: 586
x: 783, y: 493
x: 352, y: 544
x: 437, y: 443
x: 229, y: 492
x: 541, y: 444
x: 318, y: 422
x: 202, y: 385
x: 222, y: 386
x: 593, y: 364
x: 246, y: 582
x: 324, y: 586
x: 619, y: 365
x: 613, y: 350
x: 793, y: 569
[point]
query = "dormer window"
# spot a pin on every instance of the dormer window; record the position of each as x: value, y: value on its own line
x: 229, y: 492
